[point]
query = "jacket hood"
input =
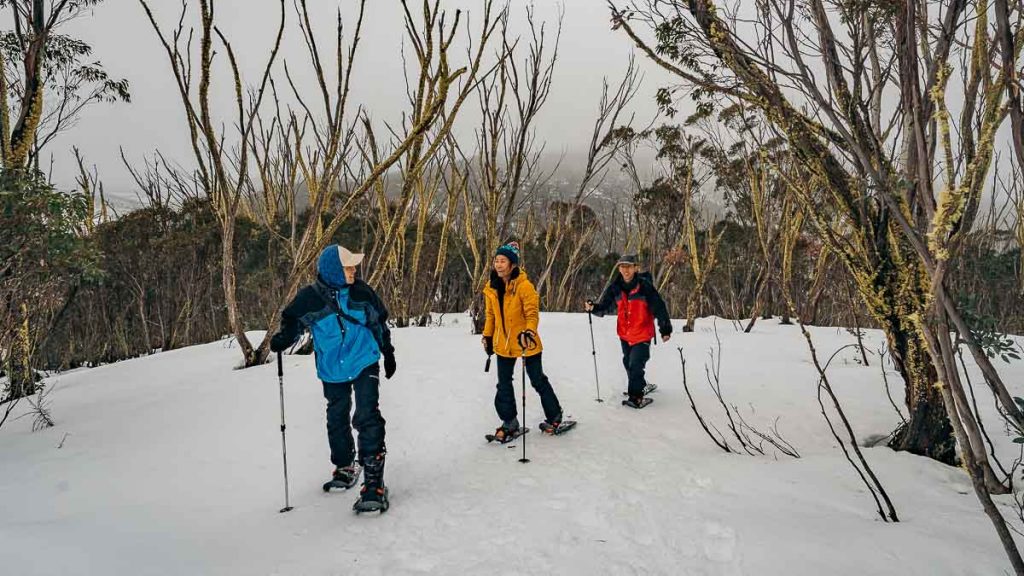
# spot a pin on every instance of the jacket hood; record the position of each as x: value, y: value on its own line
x: 329, y: 267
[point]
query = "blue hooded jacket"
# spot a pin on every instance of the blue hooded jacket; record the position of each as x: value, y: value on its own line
x: 348, y: 321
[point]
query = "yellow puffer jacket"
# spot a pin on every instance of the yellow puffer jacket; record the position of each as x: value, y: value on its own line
x: 508, y: 314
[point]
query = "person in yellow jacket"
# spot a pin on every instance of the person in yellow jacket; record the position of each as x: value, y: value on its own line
x: 512, y: 315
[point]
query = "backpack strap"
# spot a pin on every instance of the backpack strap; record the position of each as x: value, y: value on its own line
x: 329, y: 296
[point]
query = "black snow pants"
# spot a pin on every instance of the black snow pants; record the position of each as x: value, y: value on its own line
x: 505, y: 398
x: 634, y: 359
x: 367, y: 420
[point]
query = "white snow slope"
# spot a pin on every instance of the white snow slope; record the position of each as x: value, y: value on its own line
x: 171, y: 464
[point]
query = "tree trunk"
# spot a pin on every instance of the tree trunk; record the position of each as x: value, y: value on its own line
x: 691, y: 310
x: 927, y: 431
x: 478, y: 313
x: 231, y: 291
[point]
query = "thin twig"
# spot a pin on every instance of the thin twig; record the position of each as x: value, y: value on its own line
x: 885, y: 378
x: 720, y: 442
x: 981, y: 425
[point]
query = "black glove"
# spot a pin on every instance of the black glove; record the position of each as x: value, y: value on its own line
x: 389, y: 365
x: 489, y: 345
x: 527, y: 339
x: 279, y: 342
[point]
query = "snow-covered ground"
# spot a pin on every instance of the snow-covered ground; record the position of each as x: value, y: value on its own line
x: 171, y: 464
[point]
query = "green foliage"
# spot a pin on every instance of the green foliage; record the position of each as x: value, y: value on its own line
x: 70, y: 78
x: 673, y: 43
x: 41, y: 253
x: 1019, y: 439
x: 39, y: 226
x: 984, y: 329
x: 665, y: 100
x: 66, y: 68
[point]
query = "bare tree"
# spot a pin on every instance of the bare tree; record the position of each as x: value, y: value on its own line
x: 688, y: 179
x: 305, y: 147
x: 222, y: 173
x: 422, y: 148
x: 605, y: 142
x: 506, y: 173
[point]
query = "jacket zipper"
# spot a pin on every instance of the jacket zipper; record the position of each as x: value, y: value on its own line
x: 501, y: 312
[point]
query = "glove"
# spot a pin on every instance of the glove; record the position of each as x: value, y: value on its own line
x: 489, y: 345
x: 389, y: 365
x: 527, y: 339
x: 589, y: 305
x: 279, y: 342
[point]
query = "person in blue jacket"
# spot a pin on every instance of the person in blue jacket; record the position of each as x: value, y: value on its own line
x: 348, y: 323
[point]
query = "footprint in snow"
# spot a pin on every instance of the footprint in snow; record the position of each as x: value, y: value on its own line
x: 719, y: 543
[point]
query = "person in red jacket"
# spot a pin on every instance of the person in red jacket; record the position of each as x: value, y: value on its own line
x: 633, y: 294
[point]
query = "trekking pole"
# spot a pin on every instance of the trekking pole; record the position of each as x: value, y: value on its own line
x: 284, y: 444
x: 524, y: 459
x: 593, y: 352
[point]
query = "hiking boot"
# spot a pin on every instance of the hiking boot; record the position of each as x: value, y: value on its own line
x: 508, y: 430
x: 373, y: 497
x: 347, y: 474
x: 344, y: 477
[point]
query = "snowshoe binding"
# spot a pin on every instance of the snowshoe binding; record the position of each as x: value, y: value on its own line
x: 557, y: 426
x: 344, y: 477
x: 373, y: 497
x: 507, y: 432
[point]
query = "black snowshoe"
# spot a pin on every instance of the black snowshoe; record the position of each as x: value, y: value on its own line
x: 557, y: 427
x: 638, y: 402
x: 344, y: 477
x: 373, y: 497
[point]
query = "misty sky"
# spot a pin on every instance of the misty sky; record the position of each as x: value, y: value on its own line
x: 127, y: 45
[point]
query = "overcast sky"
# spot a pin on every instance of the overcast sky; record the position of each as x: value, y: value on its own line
x: 128, y: 47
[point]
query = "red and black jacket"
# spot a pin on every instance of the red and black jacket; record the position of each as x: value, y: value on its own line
x: 638, y: 304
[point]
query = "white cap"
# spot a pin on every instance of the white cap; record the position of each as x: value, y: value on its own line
x: 349, y: 258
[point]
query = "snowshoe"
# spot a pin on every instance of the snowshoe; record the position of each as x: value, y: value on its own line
x: 556, y: 428
x: 648, y: 388
x: 637, y: 402
x: 372, y: 499
x: 344, y: 477
x: 507, y: 432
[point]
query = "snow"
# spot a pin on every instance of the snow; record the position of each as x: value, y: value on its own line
x: 171, y: 464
